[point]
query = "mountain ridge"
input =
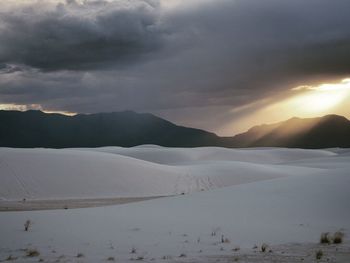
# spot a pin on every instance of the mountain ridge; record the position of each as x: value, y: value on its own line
x: 127, y: 128
x: 298, y: 132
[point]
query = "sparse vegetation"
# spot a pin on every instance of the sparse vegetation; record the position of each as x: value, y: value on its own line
x: 319, y: 254
x: 224, y: 239
x: 32, y: 253
x: 264, y: 247
x: 325, y: 238
x: 10, y: 258
x: 236, y: 249
x: 215, y: 231
x: 182, y: 255
x: 80, y: 255
x: 27, y: 225
x: 110, y: 259
x: 338, y: 237
x: 133, y: 250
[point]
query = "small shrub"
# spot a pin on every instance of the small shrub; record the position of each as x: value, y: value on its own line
x: 80, y: 255
x: 325, y: 238
x: 338, y: 237
x: 182, y: 255
x: 133, y: 251
x: 264, y: 247
x: 110, y: 259
x: 32, y: 253
x: 236, y: 249
x: 224, y: 240
x: 140, y: 258
x: 215, y: 231
x: 27, y: 225
x: 319, y: 254
x: 10, y: 258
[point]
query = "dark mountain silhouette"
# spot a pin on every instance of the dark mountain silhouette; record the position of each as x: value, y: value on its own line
x: 314, y: 133
x: 38, y: 129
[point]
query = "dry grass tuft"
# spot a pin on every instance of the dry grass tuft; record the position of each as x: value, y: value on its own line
x: 325, y: 238
x: 32, y: 253
x: 264, y: 247
x: 338, y: 237
x: 319, y: 254
x: 10, y: 258
x: 27, y: 225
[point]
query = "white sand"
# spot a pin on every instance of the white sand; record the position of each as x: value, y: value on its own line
x: 43, y: 174
x: 303, y: 197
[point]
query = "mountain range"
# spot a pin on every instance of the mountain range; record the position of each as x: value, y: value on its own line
x: 38, y: 129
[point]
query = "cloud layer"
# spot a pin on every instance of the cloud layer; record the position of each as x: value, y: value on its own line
x: 92, y: 56
x: 79, y: 36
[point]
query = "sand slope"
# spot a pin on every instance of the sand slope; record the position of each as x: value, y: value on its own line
x: 292, y: 209
x: 113, y: 172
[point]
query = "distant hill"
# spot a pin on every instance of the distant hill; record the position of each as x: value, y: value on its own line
x: 37, y: 129
x: 324, y: 132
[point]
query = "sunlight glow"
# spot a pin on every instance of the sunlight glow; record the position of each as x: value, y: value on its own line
x: 304, y: 101
x: 318, y: 99
x: 19, y: 107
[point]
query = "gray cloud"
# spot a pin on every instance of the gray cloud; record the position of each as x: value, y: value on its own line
x: 106, y: 56
x: 79, y: 36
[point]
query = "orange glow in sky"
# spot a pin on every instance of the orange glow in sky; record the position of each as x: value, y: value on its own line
x: 305, y: 102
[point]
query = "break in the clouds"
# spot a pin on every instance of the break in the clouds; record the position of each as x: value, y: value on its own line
x: 201, y: 63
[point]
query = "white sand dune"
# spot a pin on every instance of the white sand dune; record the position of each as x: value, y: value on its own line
x: 175, y: 156
x: 47, y: 174
x: 110, y: 172
x: 307, y: 193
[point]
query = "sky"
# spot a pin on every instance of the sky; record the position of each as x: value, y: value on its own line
x: 219, y: 65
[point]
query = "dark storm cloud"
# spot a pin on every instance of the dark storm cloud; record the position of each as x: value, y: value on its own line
x: 7, y: 69
x: 78, y: 35
x: 106, y: 56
